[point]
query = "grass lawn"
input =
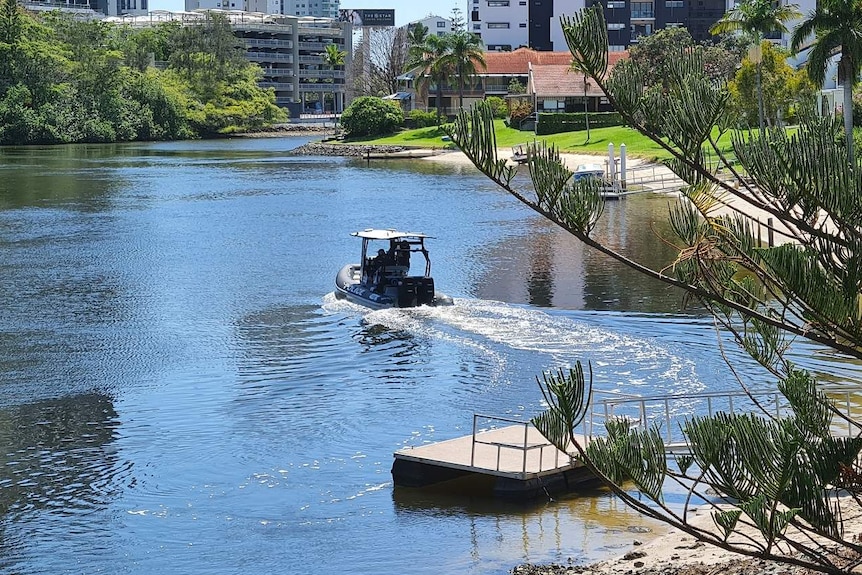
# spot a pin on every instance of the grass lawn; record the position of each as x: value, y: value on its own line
x: 637, y: 145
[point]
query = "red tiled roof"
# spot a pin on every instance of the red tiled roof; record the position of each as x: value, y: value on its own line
x: 517, y: 62
x: 557, y: 80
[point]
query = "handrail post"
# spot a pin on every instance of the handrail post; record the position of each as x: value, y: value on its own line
x: 643, y: 414
x: 524, y: 458
x: 473, y: 445
x: 667, y: 419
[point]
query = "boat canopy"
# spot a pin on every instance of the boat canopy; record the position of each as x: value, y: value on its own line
x: 371, y: 234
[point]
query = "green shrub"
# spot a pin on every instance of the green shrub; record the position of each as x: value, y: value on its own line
x: 556, y: 123
x: 422, y: 119
x: 518, y: 110
x: 370, y: 116
x: 498, y: 106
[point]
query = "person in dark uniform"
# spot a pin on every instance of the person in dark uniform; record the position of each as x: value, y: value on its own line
x: 380, y: 261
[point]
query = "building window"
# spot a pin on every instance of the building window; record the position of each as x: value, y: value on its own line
x: 477, y: 27
x: 642, y: 10
x: 522, y: 25
x: 498, y: 25
x: 441, y: 24
x: 616, y: 4
x: 497, y: 3
x: 673, y: 4
x: 616, y: 26
x: 522, y: 3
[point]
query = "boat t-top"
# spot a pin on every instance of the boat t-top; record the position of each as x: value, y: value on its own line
x: 382, y: 279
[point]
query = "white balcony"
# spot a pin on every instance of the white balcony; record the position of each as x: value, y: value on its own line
x: 269, y: 57
x: 268, y: 43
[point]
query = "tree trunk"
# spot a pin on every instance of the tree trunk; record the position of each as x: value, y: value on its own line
x: 760, y: 94
x: 439, y: 99
x: 848, y: 109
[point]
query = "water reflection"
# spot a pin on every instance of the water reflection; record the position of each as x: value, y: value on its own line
x: 545, y: 266
x: 577, y: 528
x: 58, y: 457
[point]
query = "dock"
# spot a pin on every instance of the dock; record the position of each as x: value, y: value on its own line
x: 513, y: 462
x: 510, y: 459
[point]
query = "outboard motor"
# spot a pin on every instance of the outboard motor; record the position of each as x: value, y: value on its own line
x: 415, y: 291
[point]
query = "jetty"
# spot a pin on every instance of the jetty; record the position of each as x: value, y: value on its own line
x: 509, y: 459
x: 513, y: 461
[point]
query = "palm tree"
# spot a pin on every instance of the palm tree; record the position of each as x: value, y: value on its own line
x: 757, y: 18
x: 429, y: 58
x: 836, y: 25
x: 416, y: 35
x: 462, y: 58
x: 333, y: 56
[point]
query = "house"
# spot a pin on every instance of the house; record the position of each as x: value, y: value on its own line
x: 546, y: 77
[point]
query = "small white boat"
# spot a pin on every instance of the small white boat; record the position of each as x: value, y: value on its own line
x: 608, y: 189
x: 519, y: 154
x: 382, y: 278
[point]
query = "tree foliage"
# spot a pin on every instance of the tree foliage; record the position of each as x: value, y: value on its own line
x: 64, y: 80
x: 783, y: 89
x: 370, y: 116
x: 834, y: 25
x: 659, y: 54
x: 379, y: 61
x: 440, y: 60
x: 756, y: 19
x: 779, y: 486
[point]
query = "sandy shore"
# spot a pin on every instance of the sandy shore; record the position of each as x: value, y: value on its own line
x: 677, y: 553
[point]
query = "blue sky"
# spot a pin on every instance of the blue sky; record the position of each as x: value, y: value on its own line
x: 405, y: 10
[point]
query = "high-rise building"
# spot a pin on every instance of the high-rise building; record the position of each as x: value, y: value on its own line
x: 311, y: 8
x: 509, y: 24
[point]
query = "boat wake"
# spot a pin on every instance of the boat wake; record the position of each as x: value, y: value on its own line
x: 522, y: 342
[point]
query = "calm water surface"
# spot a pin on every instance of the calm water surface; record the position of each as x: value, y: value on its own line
x: 180, y: 392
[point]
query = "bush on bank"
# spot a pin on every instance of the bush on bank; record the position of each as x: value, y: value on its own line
x: 370, y: 116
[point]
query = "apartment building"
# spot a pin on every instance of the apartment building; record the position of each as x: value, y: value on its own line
x: 289, y: 50
x: 312, y: 8
x: 89, y: 9
x: 509, y: 24
x: 437, y: 25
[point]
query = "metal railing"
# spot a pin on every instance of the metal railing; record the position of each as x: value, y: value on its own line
x: 669, y: 412
x: 321, y: 73
x: 524, y: 447
x: 282, y: 86
x: 269, y: 57
x: 268, y: 43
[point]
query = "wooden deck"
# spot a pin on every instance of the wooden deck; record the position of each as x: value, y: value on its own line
x: 514, y: 462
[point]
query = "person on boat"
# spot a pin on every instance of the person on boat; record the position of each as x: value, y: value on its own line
x: 402, y: 254
x: 380, y: 261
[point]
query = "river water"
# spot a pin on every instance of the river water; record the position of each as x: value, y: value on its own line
x: 181, y: 392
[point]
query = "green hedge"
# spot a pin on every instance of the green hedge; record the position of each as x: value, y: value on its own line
x: 575, y: 122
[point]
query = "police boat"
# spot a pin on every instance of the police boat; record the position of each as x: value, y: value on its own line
x: 382, y: 279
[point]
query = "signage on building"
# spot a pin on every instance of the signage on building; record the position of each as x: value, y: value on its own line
x: 368, y: 17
